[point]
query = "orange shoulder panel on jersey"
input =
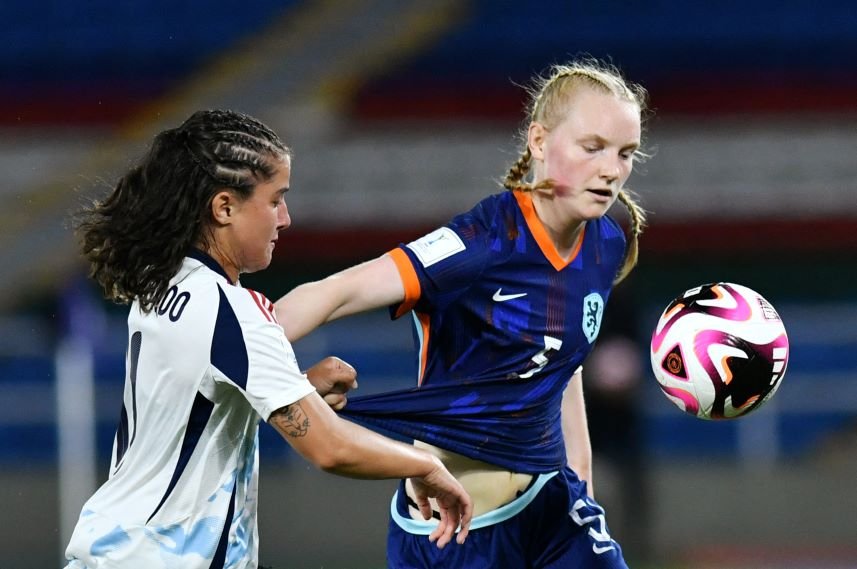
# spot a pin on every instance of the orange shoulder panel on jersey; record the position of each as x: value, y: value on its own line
x: 409, y: 280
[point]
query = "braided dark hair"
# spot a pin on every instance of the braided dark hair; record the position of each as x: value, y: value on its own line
x: 136, y: 238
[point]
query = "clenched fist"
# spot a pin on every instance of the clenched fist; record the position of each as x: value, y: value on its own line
x: 333, y: 379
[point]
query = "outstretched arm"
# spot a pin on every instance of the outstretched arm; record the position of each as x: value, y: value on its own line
x: 575, y: 430
x: 344, y: 448
x: 363, y: 287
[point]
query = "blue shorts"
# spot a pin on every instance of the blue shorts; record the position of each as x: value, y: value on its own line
x: 553, y: 524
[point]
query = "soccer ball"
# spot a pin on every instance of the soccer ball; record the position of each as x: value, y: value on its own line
x: 719, y: 351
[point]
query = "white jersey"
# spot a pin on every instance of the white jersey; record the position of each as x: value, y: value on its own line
x: 203, y: 368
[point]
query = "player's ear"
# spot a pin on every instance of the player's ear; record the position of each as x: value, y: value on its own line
x: 222, y: 207
x: 536, y: 135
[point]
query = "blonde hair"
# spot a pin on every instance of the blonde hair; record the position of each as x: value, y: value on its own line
x: 549, y: 96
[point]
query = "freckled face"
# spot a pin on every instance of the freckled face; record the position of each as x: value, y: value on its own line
x: 259, y: 220
x: 589, y: 155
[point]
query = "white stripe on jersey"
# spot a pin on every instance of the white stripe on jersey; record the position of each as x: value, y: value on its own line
x: 202, y: 368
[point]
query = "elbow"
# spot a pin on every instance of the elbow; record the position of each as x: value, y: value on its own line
x: 331, y: 461
x: 333, y: 456
x: 338, y: 463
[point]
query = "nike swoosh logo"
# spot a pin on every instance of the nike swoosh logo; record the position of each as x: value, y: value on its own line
x: 599, y: 550
x: 500, y: 297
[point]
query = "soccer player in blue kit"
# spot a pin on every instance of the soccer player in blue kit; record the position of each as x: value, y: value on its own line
x: 507, y: 301
x: 207, y: 360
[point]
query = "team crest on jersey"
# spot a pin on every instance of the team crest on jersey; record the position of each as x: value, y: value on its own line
x: 593, y: 309
x: 436, y: 246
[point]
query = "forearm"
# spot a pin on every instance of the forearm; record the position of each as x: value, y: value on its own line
x: 341, y: 447
x: 364, y: 287
x: 575, y: 430
x: 307, y: 307
x: 361, y: 453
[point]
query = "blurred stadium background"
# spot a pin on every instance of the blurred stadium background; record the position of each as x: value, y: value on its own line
x: 402, y: 113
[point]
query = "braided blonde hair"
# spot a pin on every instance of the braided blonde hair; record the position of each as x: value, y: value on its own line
x: 548, y: 105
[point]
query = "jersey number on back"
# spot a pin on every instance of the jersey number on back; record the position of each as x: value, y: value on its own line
x: 173, y: 303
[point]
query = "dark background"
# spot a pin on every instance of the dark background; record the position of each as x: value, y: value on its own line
x: 401, y: 114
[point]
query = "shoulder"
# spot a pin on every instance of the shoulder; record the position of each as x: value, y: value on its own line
x: 609, y: 228
x: 608, y: 243
x: 491, y: 218
x: 190, y: 301
x: 248, y: 305
x: 207, y: 292
x: 469, y: 233
x: 254, y: 306
x: 609, y: 236
x: 486, y: 211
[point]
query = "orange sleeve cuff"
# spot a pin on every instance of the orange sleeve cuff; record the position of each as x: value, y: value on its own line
x: 409, y: 280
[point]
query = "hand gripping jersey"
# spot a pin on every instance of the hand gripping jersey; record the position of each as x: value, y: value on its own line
x: 502, y: 322
x: 202, y: 368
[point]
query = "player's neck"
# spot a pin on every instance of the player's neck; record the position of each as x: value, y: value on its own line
x: 563, y: 234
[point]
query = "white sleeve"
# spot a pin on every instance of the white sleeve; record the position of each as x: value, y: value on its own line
x: 275, y: 380
x: 250, y: 351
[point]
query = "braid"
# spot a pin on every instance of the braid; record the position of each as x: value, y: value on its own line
x: 136, y: 238
x: 638, y: 223
x: 232, y: 149
x: 517, y: 171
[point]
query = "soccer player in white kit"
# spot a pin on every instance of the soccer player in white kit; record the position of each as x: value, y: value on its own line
x: 207, y: 360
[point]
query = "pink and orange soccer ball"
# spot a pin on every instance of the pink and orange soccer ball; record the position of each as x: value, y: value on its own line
x: 719, y: 351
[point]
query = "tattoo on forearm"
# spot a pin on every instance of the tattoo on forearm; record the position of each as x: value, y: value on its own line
x: 291, y: 419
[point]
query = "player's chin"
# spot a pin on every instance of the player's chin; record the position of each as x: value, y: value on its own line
x: 599, y: 208
x: 596, y: 211
x: 259, y: 264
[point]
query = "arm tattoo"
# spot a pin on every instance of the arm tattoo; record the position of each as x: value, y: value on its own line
x: 291, y: 419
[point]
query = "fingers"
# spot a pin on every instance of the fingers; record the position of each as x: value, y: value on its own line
x: 464, y: 513
x: 337, y: 369
x: 453, y: 502
x: 423, y: 505
x: 343, y: 386
x: 445, y: 530
x: 456, y: 512
x: 466, y: 518
x: 335, y: 401
x: 332, y: 375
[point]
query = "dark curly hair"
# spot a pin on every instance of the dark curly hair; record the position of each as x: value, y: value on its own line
x: 136, y: 238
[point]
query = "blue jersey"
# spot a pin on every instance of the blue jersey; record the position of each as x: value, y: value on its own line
x: 502, y: 322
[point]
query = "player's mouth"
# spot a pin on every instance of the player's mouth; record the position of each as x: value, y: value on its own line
x: 601, y: 192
